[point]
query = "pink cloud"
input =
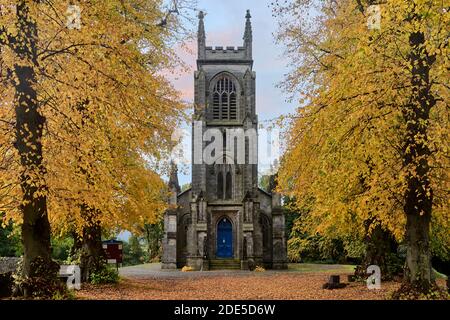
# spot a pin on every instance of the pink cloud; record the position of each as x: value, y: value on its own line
x: 183, y: 79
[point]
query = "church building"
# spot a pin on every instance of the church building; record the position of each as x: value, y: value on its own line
x: 224, y: 221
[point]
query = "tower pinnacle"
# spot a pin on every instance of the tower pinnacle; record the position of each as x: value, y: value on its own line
x: 173, y: 178
x: 248, y: 37
x: 201, y: 37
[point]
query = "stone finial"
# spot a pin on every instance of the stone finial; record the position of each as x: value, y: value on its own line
x: 174, y: 186
x: 248, y: 38
x: 201, y: 36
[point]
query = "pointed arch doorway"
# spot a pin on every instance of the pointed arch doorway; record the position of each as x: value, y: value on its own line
x: 224, y: 238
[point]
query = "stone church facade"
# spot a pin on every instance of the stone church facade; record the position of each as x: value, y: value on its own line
x: 224, y: 220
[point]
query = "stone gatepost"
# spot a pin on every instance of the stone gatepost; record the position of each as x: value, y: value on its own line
x: 197, y: 234
x: 169, y: 243
x: 248, y: 236
x: 278, y: 234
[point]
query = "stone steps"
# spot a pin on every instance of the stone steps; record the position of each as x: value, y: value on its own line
x: 224, y: 264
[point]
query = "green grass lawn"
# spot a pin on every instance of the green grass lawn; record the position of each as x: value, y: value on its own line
x: 156, y: 266
x: 439, y: 275
x: 297, y: 267
x: 316, y: 267
x: 334, y: 268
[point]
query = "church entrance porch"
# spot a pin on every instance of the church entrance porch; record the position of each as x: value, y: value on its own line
x: 224, y: 233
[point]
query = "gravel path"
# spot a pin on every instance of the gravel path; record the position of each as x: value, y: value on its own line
x: 154, y: 271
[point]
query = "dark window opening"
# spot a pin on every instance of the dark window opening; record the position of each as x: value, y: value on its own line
x: 224, y: 147
x: 220, y: 186
x: 216, y: 106
x: 233, y: 114
x: 247, y: 150
x: 228, y: 186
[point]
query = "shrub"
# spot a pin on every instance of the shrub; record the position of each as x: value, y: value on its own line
x: 104, y: 275
x: 61, y: 248
x: 307, y: 248
x: 42, y: 284
x: 73, y: 258
x: 10, y: 243
x: 64, y: 295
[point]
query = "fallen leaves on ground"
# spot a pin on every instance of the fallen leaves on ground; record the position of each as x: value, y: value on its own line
x: 255, y: 287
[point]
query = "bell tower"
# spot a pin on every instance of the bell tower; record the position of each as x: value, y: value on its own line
x: 224, y: 220
x: 224, y: 100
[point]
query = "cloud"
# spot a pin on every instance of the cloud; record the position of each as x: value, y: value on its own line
x: 183, y: 80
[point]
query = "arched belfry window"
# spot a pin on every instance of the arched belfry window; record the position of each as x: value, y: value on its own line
x: 224, y: 99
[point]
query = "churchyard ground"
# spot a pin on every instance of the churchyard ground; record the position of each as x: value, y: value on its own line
x: 299, y: 282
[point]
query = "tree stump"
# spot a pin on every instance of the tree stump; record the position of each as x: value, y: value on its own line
x: 334, y: 280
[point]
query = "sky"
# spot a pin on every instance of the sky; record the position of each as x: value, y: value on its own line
x: 224, y: 26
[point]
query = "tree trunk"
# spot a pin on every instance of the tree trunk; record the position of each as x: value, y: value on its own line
x: 37, y: 262
x: 419, y: 194
x: 92, y: 253
x: 418, y: 271
x: 77, y: 244
x: 380, y: 246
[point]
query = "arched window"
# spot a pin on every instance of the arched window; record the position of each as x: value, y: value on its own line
x: 219, y: 185
x: 224, y: 99
x: 228, y: 186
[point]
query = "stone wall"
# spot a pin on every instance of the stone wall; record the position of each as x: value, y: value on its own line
x: 8, y: 264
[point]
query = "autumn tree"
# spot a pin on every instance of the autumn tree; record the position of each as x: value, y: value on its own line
x: 153, y: 235
x: 85, y: 104
x: 369, y: 145
x: 19, y: 40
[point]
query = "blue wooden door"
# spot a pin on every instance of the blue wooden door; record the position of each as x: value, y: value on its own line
x: 224, y: 239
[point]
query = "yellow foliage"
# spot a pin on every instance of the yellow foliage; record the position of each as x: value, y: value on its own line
x: 347, y: 151
x: 259, y: 269
x: 187, y: 269
x: 109, y: 111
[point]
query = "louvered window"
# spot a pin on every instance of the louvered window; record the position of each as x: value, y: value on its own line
x: 224, y: 100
